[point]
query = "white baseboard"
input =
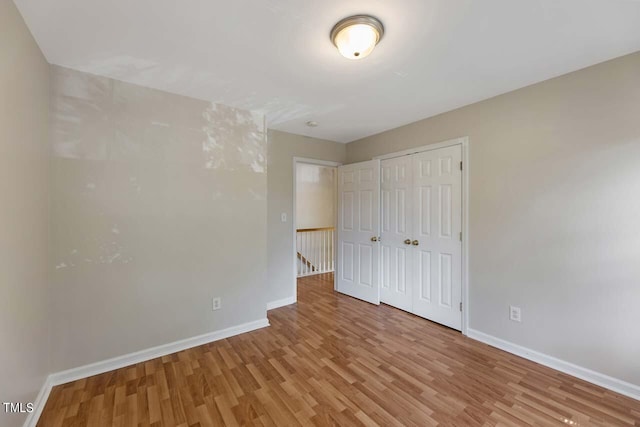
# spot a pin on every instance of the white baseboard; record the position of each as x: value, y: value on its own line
x: 38, y: 403
x: 611, y: 383
x: 281, y: 303
x: 151, y: 353
x: 131, y: 359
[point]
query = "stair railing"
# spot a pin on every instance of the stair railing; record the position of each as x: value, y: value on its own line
x: 315, y: 250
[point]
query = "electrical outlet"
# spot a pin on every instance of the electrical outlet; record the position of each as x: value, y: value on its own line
x: 216, y: 303
x: 515, y: 313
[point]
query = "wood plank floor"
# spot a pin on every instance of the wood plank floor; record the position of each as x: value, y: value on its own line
x: 333, y: 360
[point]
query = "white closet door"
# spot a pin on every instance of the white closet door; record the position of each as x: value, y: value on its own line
x: 396, y: 221
x: 358, y: 227
x: 437, y: 269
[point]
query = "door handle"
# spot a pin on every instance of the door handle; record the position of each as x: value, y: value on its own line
x: 376, y: 239
x: 415, y: 243
x: 407, y: 242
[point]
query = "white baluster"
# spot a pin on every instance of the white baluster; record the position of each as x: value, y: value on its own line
x: 326, y: 251
x: 314, y: 244
x: 306, y: 253
x: 322, y: 247
x: 298, y: 248
x: 322, y: 266
x: 332, y: 250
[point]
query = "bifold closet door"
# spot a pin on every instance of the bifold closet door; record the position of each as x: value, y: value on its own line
x: 437, y: 226
x: 358, y: 266
x: 396, y: 224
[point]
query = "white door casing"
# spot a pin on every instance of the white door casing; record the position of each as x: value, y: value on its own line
x: 358, y: 223
x: 396, y: 230
x: 437, y: 207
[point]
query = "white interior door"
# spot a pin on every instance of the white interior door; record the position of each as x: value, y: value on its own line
x: 396, y: 232
x: 358, y: 228
x: 437, y: 267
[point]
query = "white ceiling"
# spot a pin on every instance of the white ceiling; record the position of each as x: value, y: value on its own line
x: 275, y: 56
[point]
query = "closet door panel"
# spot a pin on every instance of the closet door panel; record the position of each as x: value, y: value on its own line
x: 437, y: 188
x: 397, y: 222
x: 357, y: 273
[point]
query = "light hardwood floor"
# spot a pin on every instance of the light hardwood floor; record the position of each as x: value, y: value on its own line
x: 333, y: 360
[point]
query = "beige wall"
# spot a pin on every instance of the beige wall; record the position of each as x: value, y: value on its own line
x: 24, y: 167
x: 282, y: 148
x: 315, y: 196
x: 554, y: 209
x: 155, y: 197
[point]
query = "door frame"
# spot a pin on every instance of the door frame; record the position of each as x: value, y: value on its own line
x: 294, y: 221
x: 464, y: 143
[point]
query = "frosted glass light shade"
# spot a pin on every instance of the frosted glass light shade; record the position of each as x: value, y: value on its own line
x: 356, y: 36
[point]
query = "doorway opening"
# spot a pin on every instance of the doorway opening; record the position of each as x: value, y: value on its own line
x: 315, y: 218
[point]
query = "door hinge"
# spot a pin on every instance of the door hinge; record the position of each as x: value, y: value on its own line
x: 460, y: 165
x: 460, y: 306
x: 461, y: 236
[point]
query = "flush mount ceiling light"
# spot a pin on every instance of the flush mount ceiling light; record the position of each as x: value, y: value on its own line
x: 356, y: 36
